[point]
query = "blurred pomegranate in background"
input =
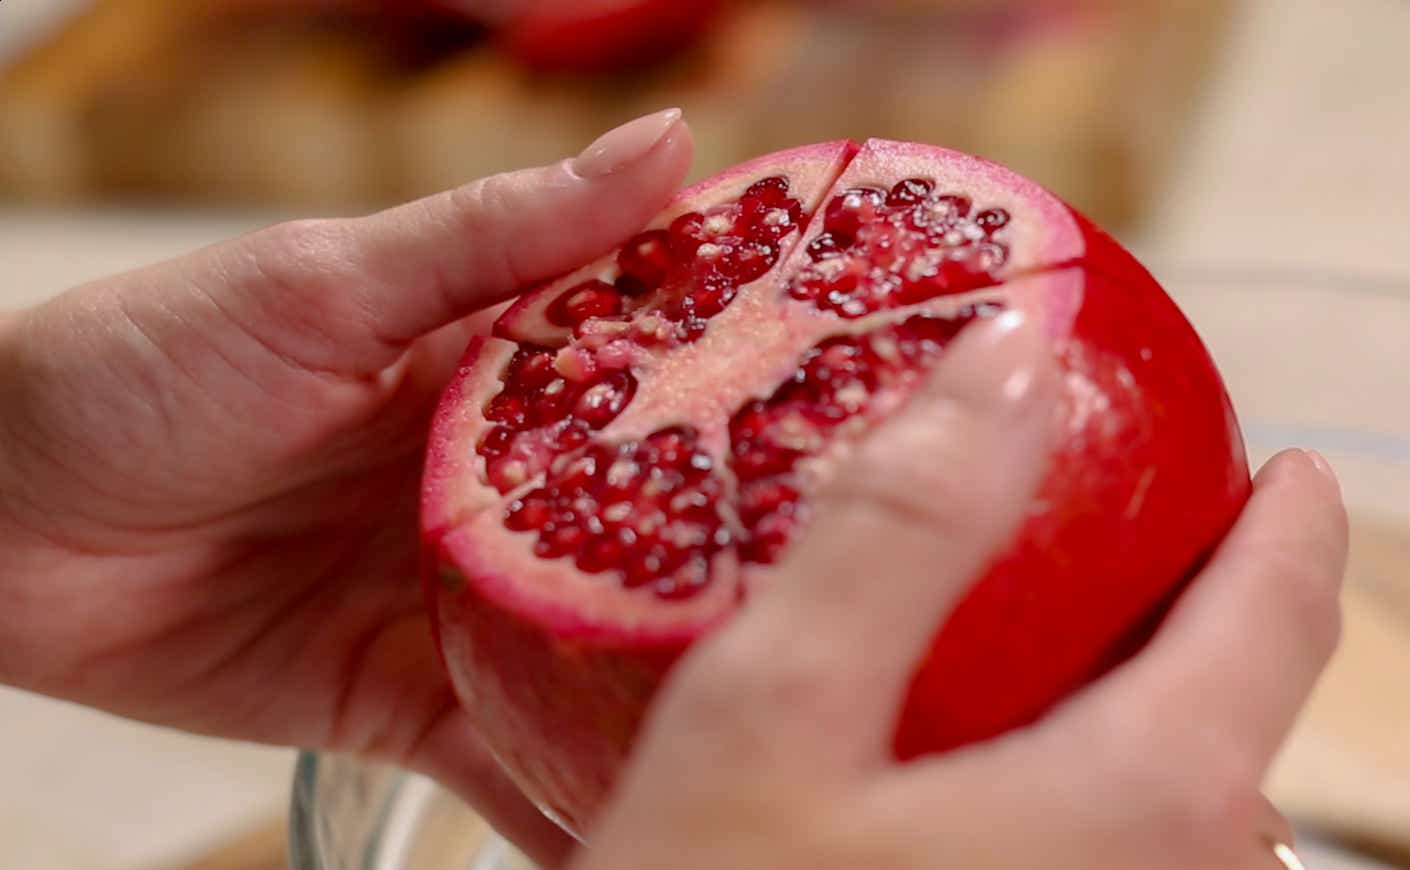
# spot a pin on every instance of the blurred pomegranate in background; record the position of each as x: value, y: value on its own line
x: 337, y: 105
x: 592, y: 36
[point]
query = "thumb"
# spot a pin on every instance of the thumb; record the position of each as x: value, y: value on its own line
x: 349, y: 295
x: 910, y: 522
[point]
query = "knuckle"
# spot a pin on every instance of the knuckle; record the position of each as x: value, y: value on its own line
x: 927, y: 469
x: 1310, y: 597
x: 738, y: 676
x: 903, y: 490
x: 305, y: 247
x: 1196, y: 811
x: 479, y: 211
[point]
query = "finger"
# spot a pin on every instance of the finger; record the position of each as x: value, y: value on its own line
x: 452, y: 755
x: 349, y: 295
x: 1240, y: 654
x: 1273, y: 826
x: 912, y: 519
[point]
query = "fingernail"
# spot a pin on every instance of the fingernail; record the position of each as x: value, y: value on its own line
x: 625, y: 145
x: 999, y: 363
x: 1320, y: 463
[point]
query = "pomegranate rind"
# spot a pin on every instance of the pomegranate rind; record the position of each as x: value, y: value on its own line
x: 1149, y: 475
x: 451, y: 488
x: 557, y: 668
x: 561, y: 36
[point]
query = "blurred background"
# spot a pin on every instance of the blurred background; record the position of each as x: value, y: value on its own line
x: 1217, y: 137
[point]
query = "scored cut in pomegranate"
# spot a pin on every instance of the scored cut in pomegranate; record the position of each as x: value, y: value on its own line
x: 612, y: 473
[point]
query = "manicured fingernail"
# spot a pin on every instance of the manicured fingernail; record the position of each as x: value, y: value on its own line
x: 625, y: 145
x: 1320, y: 463
x: 999, y: 363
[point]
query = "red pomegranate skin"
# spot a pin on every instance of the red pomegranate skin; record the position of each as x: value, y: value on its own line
x: 558, y: 667
x: 604, y: 36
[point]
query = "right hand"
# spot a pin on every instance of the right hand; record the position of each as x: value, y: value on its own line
x: 771, y: 746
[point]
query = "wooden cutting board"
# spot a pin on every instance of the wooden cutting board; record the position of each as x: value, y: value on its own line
x: 1346, y: 772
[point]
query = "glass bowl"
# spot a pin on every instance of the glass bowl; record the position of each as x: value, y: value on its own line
x: 1318, y: 361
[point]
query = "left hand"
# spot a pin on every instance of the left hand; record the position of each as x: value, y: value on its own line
x: 209, y: 468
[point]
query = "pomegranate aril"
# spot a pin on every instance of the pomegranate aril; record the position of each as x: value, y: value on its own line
x: 707, y: 302
x: 703, y: 258
x: 771, y: 191
x: 552, y: 403
x: 767, y: 540
x: 958, y: 206
x: 573, y: 436
x: 530, y: 369
x: 629, y: 286
x: 530, y: 513
x: 556, y: 541
x: 750, y: 261
x: 763, y: 460
x: 583, y: 302
x: 647, y: 258
x: 910, y: 248
x: 992, y: 220
x: 579, y: 477
x: 824, y: 246
x: 764, y: 497
x: 687, y: 234
x: 601, y: 554
x: 508, y: 409
x: 603, y: 401
x: 496, y: 442
x: 645, y: 509
x: 909, y: 192
x: 850, y: 210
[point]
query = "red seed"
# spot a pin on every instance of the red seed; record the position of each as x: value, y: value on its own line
x: 772, y: 191
x: 647, y: 258
x: 824, y: 246
x: 848, y: 212
x: 687, y: 234
x: 507, y: 408
x: 749, y: 262
x: 960, y: 206
x: 764, y: 497
x: 992, y: 220
x: 574, y: 435
x: 909, y: 192
x: 604, y: 400
x: 529, y: 513
x: 583, y: 302
x: 559, y: 540
x: 552, y: 403
x: 496, y: 442
x: 531, y: 370
x: 600, y: 554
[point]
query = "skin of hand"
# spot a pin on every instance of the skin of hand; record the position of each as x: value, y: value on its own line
x: 209, y: 468
x: 771, y: 747
x: 207, y: 516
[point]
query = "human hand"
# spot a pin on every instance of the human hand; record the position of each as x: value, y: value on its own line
x: 771, y: 746
x: 209, y: 468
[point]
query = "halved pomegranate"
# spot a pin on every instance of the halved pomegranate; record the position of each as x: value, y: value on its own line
x: 612, y: 474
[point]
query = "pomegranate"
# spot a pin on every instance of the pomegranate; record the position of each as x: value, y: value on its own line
x: 613, y: 473
x: 596, y: 36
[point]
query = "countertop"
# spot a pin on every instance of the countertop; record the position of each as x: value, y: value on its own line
x: 1303, y: 161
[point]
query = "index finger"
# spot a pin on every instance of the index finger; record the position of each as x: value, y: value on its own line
x: 909, y: 523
